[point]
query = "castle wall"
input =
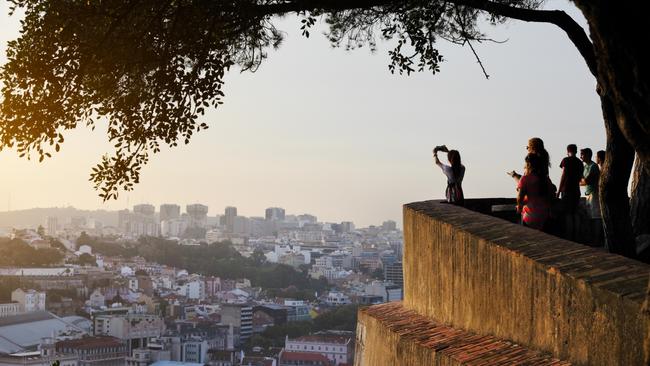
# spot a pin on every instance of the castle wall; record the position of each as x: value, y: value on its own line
x: 485, y: 275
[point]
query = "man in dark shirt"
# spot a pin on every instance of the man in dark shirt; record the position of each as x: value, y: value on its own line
x: 572, y: 170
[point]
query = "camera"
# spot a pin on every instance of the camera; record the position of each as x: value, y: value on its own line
x: 442, y: 148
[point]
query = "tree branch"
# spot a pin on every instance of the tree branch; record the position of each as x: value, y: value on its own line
x: 559, y: 18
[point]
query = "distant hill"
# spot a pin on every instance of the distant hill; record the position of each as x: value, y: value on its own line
x: 33, y: 217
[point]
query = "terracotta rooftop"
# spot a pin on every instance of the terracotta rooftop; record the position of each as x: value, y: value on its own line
x: 303, y: 356
x: 459, y: 347
x: 90, y: 342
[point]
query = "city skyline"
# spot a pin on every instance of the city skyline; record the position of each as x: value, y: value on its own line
x: 183, y: 211
x: 346, y: 139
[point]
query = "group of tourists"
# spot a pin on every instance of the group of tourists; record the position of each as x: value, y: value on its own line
x: 540, y: 203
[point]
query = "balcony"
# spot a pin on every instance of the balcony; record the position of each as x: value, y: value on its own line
x: 480, y: 289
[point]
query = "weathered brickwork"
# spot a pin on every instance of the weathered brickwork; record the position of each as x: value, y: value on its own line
x: 388, y: 334
x: 490, y: 277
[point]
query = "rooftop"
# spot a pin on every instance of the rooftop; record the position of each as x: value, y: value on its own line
x: 25, y: 331
x: 455, y: 346
x: 90, y: 342
x: 323, y: 339
x: 302, y: 356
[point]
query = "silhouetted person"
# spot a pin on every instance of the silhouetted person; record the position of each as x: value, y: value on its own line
x: 535, y: 193
x: 455, y: 172
x: 572, y: 170
x: 590, y: 179
x: 535, y: 146
x: 600, y: 159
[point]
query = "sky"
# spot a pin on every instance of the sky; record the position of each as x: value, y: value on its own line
x: 333, y: 133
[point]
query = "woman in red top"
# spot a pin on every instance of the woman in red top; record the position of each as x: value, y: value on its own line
x: 535, y: 193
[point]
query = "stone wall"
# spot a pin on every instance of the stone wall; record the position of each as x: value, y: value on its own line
x: 485, y: 275
x: 388, y: 334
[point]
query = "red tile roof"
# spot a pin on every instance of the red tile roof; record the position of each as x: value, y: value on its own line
x: 303, y: 356
x: 90, y: 342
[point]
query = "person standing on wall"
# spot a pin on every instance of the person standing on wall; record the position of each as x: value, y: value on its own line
x: 455, y: 172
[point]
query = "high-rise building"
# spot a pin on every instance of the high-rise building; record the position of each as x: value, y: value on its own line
x: 389, y: 225
x: 123, y: 219
x: 198, y: 215
x: 52, y: 225
x: 240, y: 316
x: 169, y: 211
x: 230, y: 211
x: 229, y: 218
x: 144, y: 209
x: 307, y: 219
x: 241, y: 225
x: 347, y: 226
x: 140, y: 222
x: 394, y: 273
x: 174, y: 227
x: 274, y: 213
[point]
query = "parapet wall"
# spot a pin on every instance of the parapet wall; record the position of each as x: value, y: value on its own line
x: 491, y: 277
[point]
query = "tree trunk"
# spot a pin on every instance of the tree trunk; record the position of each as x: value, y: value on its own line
x: 614, y: 201
x: 640, y: 210
x: 619, y: 32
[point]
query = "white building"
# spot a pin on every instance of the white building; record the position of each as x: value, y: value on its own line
x: 52, y: 226
x: 339, y: 349
x: 213, y: 236
x: 9, y: 309
x: 97, y: 299
x: 337, y: 298
x: 192, y: 289
x: 134, y: 328
x: 30, y: 300
x: 195, y: 350
x: 174, y: 227
x: 387, y: 291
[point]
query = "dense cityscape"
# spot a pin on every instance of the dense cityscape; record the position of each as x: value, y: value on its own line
x: 162, y: 285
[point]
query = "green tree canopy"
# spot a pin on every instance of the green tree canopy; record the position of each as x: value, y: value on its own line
x: 19, y: 254
x: 86, y: 259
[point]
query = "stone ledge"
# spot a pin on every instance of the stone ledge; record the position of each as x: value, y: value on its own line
x: 389, y: 334
x: 492, y: 277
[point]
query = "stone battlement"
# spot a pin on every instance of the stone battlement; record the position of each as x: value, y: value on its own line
x: 489, y: 277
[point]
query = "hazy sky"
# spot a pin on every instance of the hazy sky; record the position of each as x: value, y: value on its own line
x: 333, y: 133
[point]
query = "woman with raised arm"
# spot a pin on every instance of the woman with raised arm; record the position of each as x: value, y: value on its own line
x: 455, y: 172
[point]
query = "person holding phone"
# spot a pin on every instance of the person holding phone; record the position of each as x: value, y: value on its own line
x: 535, y: 192
x: 455, y: 172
